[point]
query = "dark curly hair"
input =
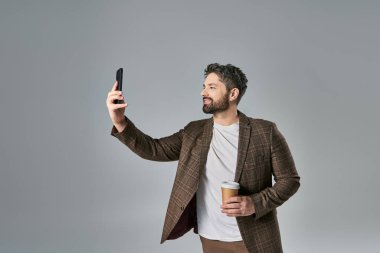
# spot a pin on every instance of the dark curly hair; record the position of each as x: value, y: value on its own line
x: 230, y: 75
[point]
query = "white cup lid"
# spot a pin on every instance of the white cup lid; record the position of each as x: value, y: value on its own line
x: 230, y: 185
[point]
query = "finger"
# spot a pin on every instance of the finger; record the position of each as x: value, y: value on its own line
x: 114, y: 97
x: 117, y: 96
x: 231, y: 206
x: 114, y: 86
x: 114, y: 106
x: 233, y: 212
x: 121, y: 105
x: 116, y: 92
x: 117, y: 106
x: 234, y: 199
x: 234, y: 215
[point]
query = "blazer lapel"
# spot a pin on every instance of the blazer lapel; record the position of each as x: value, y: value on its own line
x: 244, y: 137
x: 205, y: 144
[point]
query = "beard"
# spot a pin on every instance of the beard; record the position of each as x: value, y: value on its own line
x: 218, y: 106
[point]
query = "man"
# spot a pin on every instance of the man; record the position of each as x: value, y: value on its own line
x: 228, y: 146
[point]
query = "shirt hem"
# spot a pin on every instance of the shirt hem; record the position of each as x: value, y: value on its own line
x: 221, y: 239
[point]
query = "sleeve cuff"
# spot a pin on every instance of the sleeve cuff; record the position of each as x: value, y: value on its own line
x: 116, y: 133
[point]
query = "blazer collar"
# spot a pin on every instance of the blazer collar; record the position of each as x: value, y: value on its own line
x: 244, y: 137
x: 205, y: 145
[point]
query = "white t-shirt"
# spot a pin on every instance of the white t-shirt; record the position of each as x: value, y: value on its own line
x: 220, y: 166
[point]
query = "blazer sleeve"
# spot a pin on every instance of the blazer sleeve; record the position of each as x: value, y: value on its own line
x: 287, y: 180
x: 162, y: 149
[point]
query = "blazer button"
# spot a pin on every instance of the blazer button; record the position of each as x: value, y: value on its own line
x: 182, y: 208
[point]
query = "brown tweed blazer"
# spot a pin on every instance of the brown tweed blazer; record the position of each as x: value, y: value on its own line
x: 262, y: 153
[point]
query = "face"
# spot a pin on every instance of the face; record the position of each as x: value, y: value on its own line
x: 215, y: 95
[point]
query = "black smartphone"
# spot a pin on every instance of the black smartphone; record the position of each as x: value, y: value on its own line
x: 119, y: 79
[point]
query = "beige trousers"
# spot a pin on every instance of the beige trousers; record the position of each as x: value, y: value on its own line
x: 214, y: 246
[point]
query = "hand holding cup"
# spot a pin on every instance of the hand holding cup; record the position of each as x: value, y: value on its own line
x: 233, y: 204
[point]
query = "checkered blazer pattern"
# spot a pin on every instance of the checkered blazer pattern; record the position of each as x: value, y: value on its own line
x: 262, y: 154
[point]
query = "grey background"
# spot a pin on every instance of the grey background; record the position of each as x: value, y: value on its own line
x: 66, y: 185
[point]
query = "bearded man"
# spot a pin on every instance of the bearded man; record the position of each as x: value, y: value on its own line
x: 227, y: 146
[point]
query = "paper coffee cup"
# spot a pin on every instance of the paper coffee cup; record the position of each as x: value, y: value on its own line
x: 229, y: 189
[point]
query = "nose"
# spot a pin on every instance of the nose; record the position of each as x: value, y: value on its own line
x: 203, y: 93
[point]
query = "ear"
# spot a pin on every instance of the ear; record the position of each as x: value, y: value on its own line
x: 234, y: 94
